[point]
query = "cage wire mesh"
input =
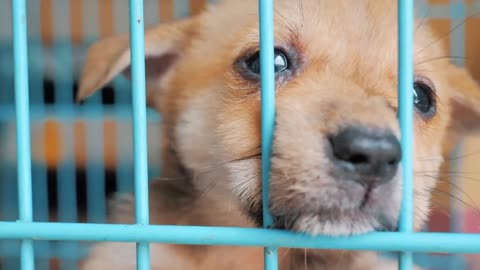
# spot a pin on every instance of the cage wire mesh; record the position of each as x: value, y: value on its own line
x: 82, y: 153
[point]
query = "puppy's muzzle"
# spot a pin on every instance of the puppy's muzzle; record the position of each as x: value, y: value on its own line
x: 369, y: 156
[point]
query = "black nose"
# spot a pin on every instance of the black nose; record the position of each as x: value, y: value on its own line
x: 366, y: 155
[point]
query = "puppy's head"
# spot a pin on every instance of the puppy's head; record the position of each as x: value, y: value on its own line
x: 336, y: 151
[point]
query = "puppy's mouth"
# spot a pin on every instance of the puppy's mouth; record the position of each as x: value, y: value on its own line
x: 365, y: 216
x: 328, y: 223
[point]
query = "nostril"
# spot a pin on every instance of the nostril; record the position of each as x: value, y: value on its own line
x: 358, y: 159
x: 393, y: 162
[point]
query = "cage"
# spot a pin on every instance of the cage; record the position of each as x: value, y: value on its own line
x: 83, y: 153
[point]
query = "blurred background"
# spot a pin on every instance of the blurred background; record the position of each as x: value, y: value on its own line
x: 82, y: 153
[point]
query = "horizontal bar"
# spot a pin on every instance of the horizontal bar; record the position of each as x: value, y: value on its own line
x: 232, y: 236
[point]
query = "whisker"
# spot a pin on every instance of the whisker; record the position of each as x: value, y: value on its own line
x: 423, y: 18
x: 436, y: 58
x: 464, y: 175
x: 459, y: 189
x: 464, y: 155
x: 451, y: 158
x: 449, y: 32
x: 465, y: 204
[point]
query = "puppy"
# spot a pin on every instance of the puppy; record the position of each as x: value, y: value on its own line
x: 336, y: 151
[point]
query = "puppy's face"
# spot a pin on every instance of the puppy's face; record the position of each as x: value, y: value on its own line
x: 336, y: 150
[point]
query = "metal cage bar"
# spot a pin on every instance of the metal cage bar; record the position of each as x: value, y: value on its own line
x: 139, y: 126
x: 267, y: 115
x: 19, y: 19
x: 405, y: 105
x: 231, y: 236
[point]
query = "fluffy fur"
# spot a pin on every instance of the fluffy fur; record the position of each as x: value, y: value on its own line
x: 345, y: 73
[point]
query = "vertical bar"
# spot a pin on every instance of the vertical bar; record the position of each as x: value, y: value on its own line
x: 124, y: 167
x: 95, y: 176
x: 5, y: 20
x: 458, y: 12
x: 181, y: 9
x: 90, y: 23
x: 95, y: 168
x: 122, y: 86
x: 39, y: 172
x: 267, y: 114
x: 9, y: 212
x: 8, y: 190
x: 456, y: 214
x: 6, y: 97
x: 120, y: 11
x: 457, y: 47
x: 139, y: 126
x: 23, y: 130
x: 63, y: 84
x: 151, y: 13
x: 405, y: 84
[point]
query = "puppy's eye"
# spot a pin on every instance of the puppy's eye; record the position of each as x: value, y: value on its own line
x: 424, y: 97
x: 280, y: 61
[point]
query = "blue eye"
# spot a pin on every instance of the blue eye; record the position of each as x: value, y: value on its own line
x: 280, y: 61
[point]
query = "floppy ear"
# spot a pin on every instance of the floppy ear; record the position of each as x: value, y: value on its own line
x: 465, y: 102
x: 111, y: 56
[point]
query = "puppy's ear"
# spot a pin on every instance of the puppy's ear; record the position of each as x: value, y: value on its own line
x: 111, y: 56
x: 465, y: 102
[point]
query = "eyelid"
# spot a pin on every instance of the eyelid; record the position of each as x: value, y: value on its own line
x: 425, y: 80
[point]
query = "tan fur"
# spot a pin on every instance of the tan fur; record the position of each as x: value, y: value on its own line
x: 346, y: 74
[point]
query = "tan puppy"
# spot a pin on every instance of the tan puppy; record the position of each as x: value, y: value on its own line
x: 336, y: 151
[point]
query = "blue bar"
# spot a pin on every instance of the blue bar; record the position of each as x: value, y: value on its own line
x: 405, y: 84
x: 39, y: 172
x: 181, y: 9
x: 231, y: 236
x: 95, y: 168
x: 9, y: 211
x: 23, y: 126
x: 458, y: 13
x: 96, y: 202
x: 139, y: 126
x: 268, y: 115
